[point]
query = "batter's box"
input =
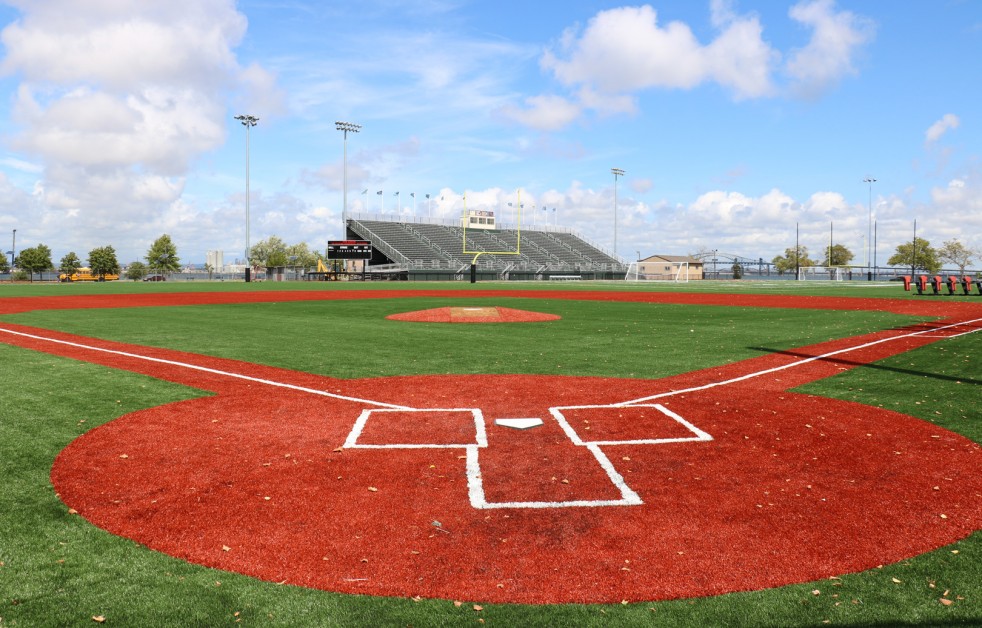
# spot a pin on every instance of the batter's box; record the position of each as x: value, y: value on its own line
x: 626, y: 425
x: 407, y: 428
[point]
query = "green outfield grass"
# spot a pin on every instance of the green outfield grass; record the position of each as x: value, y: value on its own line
x: 606, y: 339
x: 57, y: 569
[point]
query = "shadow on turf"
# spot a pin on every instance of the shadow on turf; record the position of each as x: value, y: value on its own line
x: 892, y: 369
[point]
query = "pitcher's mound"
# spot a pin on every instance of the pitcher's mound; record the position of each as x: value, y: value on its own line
x: 473, y: 315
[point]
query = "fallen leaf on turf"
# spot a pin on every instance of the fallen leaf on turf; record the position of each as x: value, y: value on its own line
x: 416, y: 598
x: 946, y: 601
x: 373, y: 489
x: 123, y: 456
x: 226, y: 548
x: 457, y: 603
x: 99, y: 619
x: 816, y: 592
x: 339, y: 449
x: 478, y: 607
x: 72, y: 511
x: 896, y: 581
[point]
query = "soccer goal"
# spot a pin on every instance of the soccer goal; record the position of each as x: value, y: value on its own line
x: 822, y: 273
x: 677, y: 272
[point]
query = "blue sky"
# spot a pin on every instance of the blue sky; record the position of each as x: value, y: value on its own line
x: 734, y: 120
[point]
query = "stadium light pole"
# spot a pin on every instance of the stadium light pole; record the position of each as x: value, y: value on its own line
x: 354, y: 128
x: 869, y: 229
x: 617, y: 172
x: 248, y: 122
x: 13, y: 253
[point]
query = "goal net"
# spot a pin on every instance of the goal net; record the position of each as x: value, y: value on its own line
x: 677, y: 272
x: 822, y: 273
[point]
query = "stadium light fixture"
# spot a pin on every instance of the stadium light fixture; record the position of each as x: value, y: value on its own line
x: 248, y: 122
x: 354, y: 128
x: 869, y: 229
x: 617, y: 172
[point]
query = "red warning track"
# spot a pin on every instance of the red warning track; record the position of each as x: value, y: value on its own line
x: 790, y: 488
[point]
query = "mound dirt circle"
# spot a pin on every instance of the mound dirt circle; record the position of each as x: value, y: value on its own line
x: 473, y: 315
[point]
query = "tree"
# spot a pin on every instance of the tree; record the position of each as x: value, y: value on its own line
x: 737, y: 270
x: 269, y: 253
x: 925, y: 257
x: 955, y: 253
x: 103, y: 261
x: 4, y: 264
x: 162, y: 256
x: 792, y: 260
x: 300, y: 255
x: 841, y: 256
x: 35, y: 260
x: 136, y: 271
x: 69, y: 264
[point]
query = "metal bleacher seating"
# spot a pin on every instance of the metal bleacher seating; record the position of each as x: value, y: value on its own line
x: 426, y: 245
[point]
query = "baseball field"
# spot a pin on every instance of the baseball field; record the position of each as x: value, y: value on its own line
x: 721, y: 453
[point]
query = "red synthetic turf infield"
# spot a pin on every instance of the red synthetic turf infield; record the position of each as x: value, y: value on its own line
x: 792, y: 488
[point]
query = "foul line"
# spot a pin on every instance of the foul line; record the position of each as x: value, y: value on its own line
x: 205, y: 369
x: 789, y: 365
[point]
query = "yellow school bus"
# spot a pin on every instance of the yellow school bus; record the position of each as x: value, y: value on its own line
x: 85, y: 274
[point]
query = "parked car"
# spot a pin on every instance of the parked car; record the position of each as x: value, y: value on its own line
x: 155, y: 278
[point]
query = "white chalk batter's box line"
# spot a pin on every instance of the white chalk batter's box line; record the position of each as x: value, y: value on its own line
x: 475, y: 478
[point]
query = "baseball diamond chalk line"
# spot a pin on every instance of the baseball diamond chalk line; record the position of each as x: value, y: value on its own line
x: 475, y: 484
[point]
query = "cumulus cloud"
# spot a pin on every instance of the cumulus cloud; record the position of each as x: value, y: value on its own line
x: 624, y: 51
x: 117, y: 98
x: 948, y: 122
x: 829, y: 54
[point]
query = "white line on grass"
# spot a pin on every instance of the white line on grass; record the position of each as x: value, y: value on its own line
x: 204, y: 369
x: 784, y: 367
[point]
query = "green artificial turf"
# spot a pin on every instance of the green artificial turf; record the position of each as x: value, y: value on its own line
x: 57, y: 569
x: 350, y: 339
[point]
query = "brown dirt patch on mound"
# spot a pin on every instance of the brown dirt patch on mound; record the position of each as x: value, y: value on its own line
x: 473, y: 315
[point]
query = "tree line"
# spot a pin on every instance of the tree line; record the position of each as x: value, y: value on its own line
x: 917, y: 255
x: 161, y: 257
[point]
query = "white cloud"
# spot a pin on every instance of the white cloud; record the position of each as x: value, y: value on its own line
x: 117, y: 99
x: 626, y: 49
x: 829, y: 56
x: 544, y: 113
x: 948, y: 122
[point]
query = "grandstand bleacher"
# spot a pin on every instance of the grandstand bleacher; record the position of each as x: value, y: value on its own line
x: 429, y: 248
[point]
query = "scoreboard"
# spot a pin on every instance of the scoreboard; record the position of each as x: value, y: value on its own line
x: 349, y: 249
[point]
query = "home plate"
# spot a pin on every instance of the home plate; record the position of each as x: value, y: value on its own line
x: 519, y: 424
